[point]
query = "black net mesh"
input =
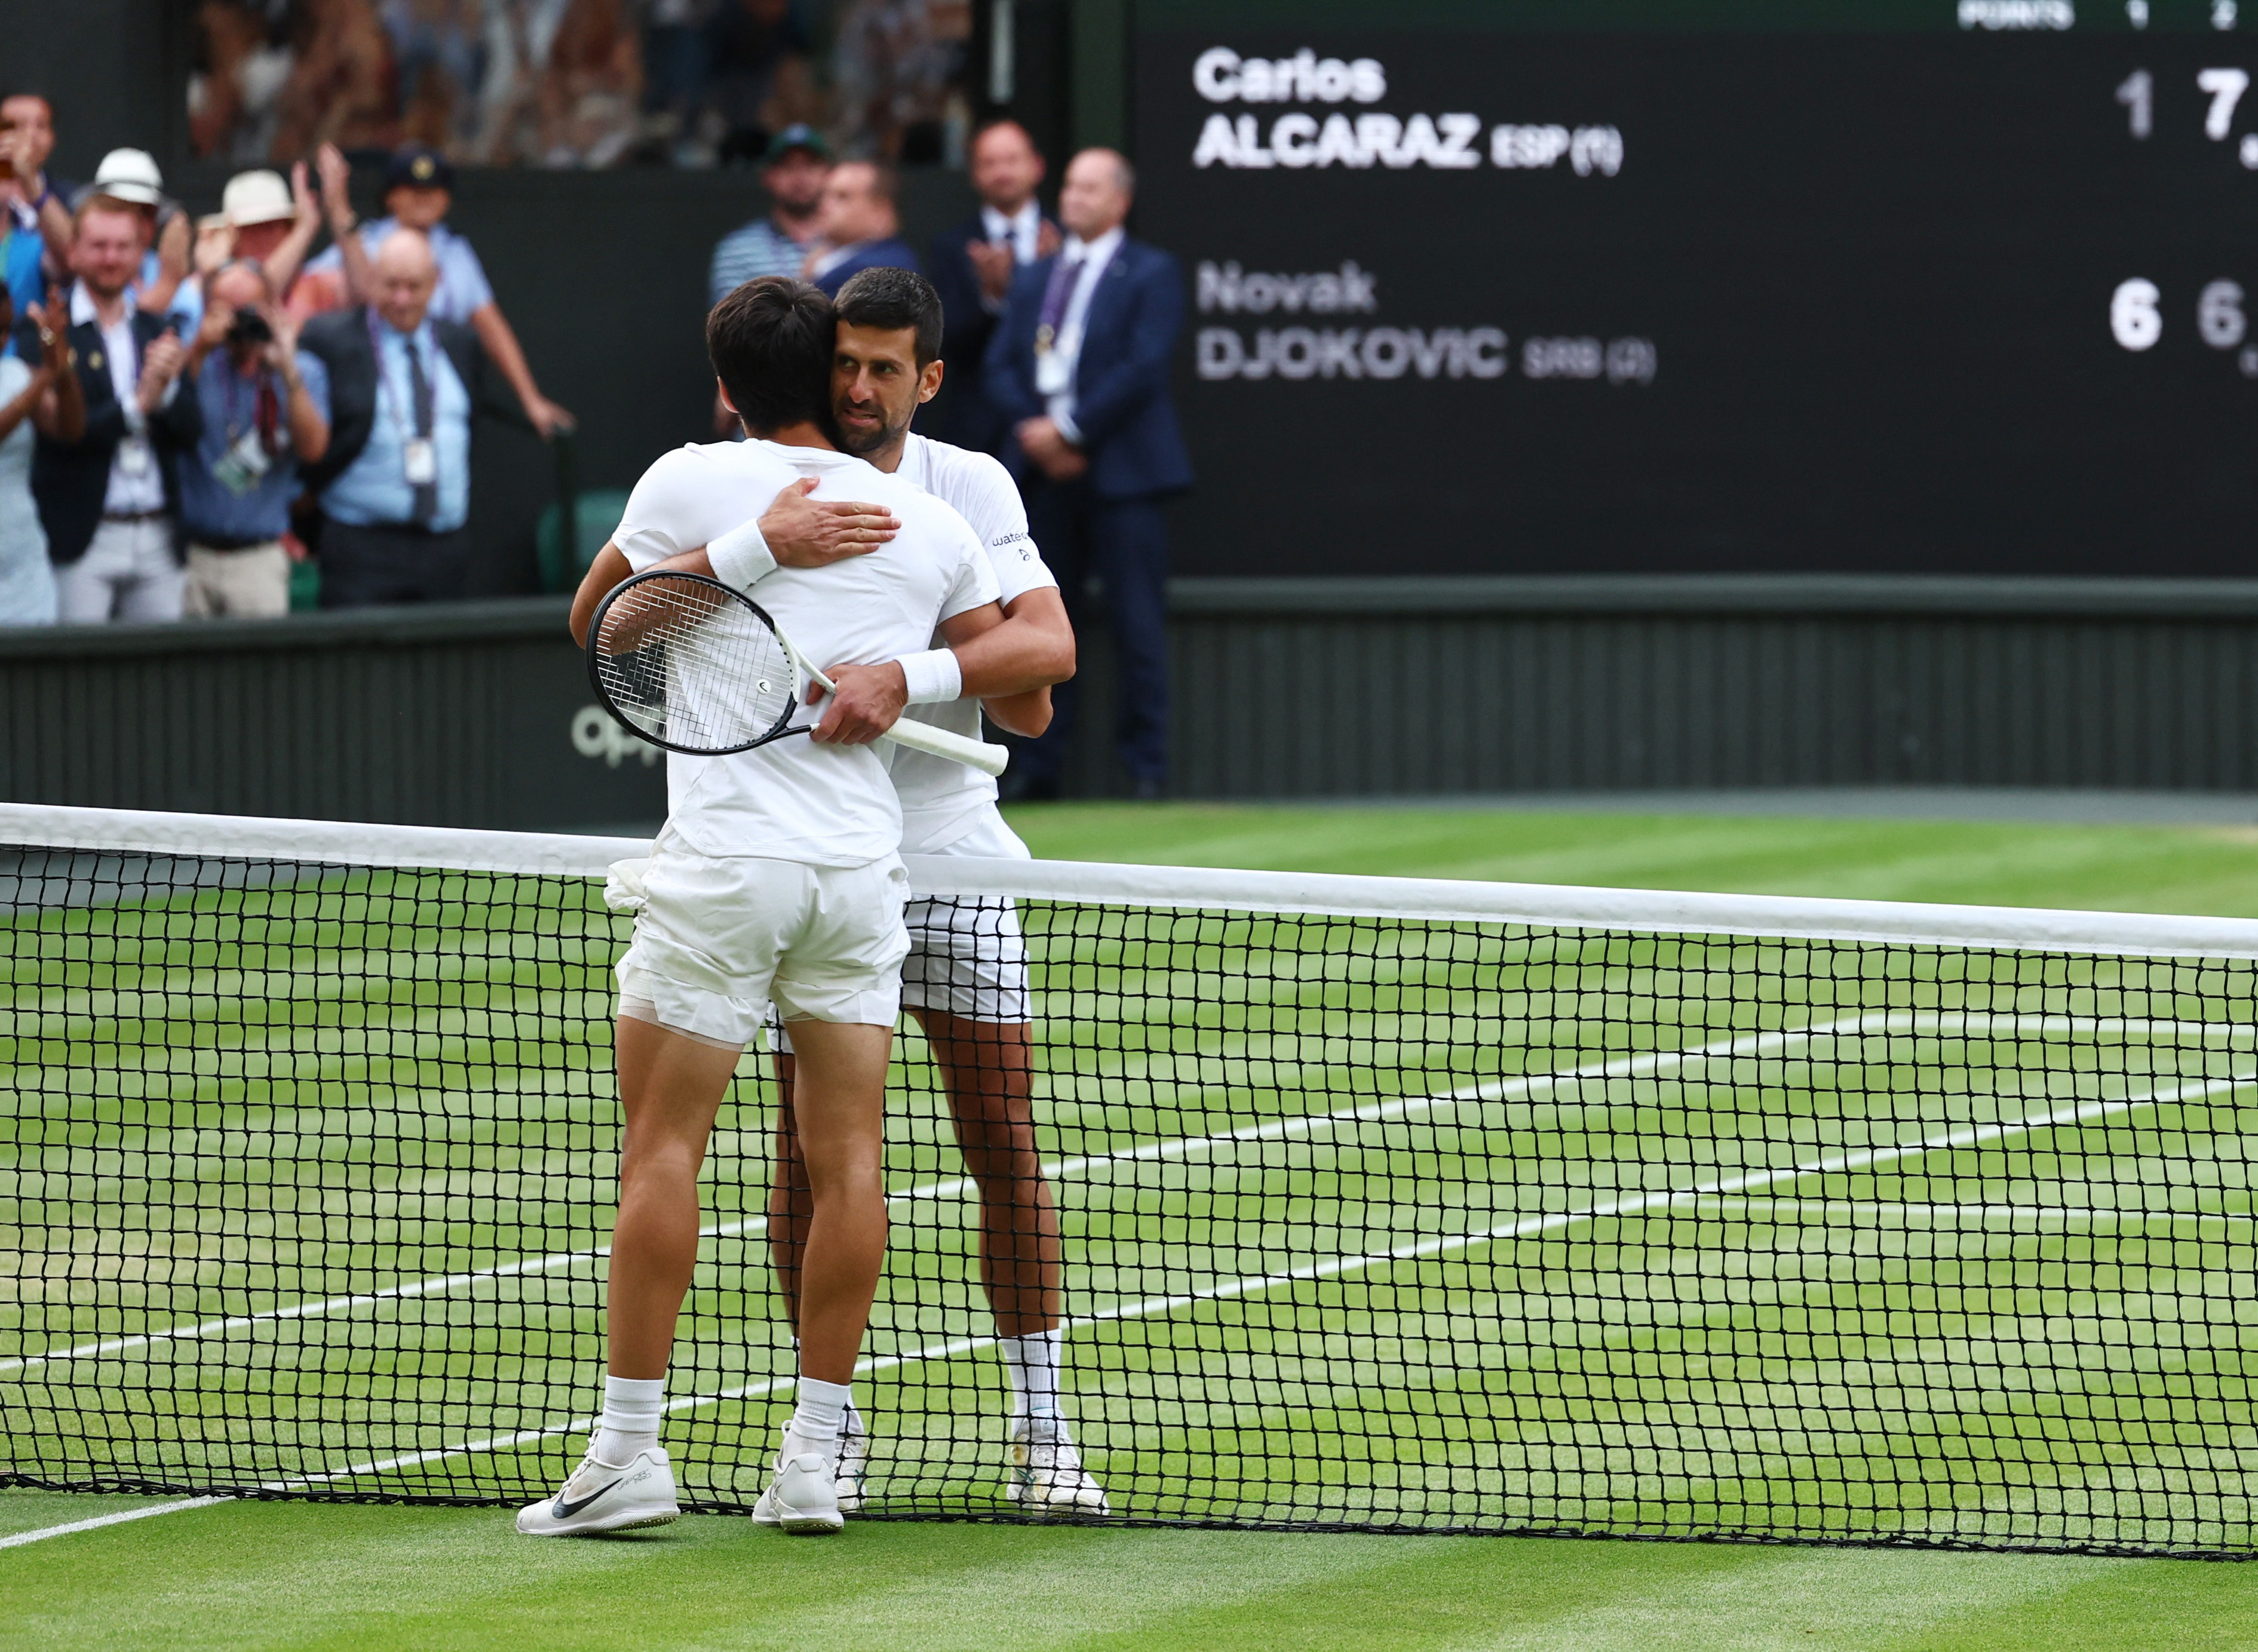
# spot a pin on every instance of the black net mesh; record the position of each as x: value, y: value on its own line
x: 1359, y: 1222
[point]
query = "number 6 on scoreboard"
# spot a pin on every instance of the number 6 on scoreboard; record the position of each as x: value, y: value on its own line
x: 2134, y: 316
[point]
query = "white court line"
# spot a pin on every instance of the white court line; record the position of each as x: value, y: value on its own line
x: 15, y: 1538
x: 1861, y: 1158
x: 2107, y: 1213
x: 1646, y: 1065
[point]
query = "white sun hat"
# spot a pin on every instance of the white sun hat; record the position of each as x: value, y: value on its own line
x: 129, y: 174
x: 257, y: 197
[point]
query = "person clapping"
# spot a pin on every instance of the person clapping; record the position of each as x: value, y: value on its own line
x: 266, y: 411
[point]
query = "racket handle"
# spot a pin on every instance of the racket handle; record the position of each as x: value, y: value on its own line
x: 973, y: 754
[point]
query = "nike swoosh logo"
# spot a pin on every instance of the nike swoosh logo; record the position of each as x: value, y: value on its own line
x: 563, y: 1510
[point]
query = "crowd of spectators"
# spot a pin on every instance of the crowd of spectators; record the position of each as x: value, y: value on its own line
x: 578, y: 83
x: 189, y: 409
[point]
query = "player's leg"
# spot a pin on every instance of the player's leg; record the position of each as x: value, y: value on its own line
x: 827, y: 1184
x: 671, y: 1085
x: 707, y: 937
x: 791, y: 1201
x: 839, y: 1103
x: 985, y: 1067
x: 966, y: 981
x: 839, y: 989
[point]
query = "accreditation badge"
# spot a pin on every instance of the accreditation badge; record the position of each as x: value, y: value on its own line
x: 420, y: 459
x: 1054, y: 377
x: 243, y: 465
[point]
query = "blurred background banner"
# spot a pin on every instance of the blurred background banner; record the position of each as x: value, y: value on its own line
x: 1528, y: 286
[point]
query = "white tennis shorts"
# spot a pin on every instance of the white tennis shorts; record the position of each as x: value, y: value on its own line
x: 718, y: 940
x: 966, y: 957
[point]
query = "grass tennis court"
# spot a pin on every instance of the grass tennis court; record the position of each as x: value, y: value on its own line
x: 1321, y: 1360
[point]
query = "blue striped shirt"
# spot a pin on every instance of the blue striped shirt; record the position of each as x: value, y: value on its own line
x: 744, y: 255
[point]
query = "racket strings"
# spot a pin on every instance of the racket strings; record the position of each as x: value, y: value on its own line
x: 691, y: 664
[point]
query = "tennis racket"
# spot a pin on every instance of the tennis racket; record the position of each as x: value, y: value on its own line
x: 697, y: 666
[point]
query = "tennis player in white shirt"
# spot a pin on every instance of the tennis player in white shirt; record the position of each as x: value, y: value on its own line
x: 966, y: 976
x: 776, y: 880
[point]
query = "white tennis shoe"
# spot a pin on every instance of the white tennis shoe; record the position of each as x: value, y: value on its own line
x: 1048, y: 1478
x: 606, y: 1497
x: 803, y: 1494
x: 854, y: 1462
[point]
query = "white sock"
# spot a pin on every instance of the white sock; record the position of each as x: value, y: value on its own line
x: 822, y: 1410
x: 851, y: 1422
x: 632, y: 1408
x: 1032, y: 1365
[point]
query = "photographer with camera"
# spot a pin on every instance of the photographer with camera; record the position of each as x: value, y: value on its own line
x: 265, y: 412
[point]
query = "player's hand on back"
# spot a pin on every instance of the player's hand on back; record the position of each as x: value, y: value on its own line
x: 813, y: 533
x: 869, y: 702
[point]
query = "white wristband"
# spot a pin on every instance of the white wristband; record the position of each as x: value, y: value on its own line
x: 740, y: 557
x: 934, y: 677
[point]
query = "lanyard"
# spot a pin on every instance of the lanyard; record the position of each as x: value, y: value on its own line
x: 234, y: 380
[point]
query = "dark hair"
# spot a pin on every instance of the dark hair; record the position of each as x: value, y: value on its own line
x: 770, y: 342
x: 890, y: 300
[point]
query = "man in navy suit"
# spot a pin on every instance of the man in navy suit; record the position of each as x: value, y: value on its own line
x: 856, y: 228
x: 1079, y: 364
x: 971, y: 267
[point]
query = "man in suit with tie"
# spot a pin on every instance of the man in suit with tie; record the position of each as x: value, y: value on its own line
x: 1079, y: 364
x: 971, y: 267
x: 406, y: 388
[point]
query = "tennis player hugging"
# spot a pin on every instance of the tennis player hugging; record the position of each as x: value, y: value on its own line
x: 778, y: 878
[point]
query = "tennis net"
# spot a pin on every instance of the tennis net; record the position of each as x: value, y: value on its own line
x: 1385, y: 1204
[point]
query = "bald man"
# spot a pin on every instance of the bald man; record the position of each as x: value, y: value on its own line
x: 407, y: 391
x: 1079, y: 366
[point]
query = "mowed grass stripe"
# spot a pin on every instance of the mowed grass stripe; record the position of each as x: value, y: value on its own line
x: 960, y: 1186
x: 1225, y: 1290
x: 1112, y: 1272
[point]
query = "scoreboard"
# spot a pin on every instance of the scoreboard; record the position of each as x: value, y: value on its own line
x: 1661, y: 285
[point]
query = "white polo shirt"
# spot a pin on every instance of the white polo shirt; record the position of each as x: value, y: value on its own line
x: 794, y: 798
x: 942, y: 800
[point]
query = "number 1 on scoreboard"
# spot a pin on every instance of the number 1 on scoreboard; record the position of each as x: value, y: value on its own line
x: 2138, y: 93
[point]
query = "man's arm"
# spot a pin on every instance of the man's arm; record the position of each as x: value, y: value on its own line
x: 175, y: 244
x: 345, y: 226
x: 1008, y: 662
x: 283, y: 263
x: 499, y: 339
x: 58, y: 230
x: 609, y: 568
x: 307, y: 411
x: 799, y: 532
